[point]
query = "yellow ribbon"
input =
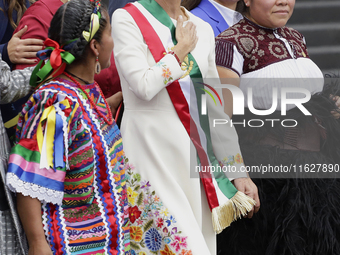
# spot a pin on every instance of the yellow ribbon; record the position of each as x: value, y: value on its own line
x: 94, y: 26
x: 12, y: 122
x: 49, y: 114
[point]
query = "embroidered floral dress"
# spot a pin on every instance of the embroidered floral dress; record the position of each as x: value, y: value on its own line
x: 169, y: 212
x: 78, y: 175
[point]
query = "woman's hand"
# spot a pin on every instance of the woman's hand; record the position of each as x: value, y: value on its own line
x: 40, y: 248
x: 114, y: 101
x: 23, y: 51
x: 186, y: 38
x: 248, y: 187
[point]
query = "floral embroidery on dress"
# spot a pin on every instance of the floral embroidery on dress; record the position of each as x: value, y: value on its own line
x: 166, y: 74
x: 231, y: 160
x: 153, y: 229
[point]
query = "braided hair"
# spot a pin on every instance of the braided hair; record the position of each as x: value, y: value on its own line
x: 70, y: 21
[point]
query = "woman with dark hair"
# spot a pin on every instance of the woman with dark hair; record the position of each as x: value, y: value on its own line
x: 67, y: 166
x: 220, y: 14
x: 299, y: 212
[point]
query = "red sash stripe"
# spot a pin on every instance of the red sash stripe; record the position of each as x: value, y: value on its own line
x: 178, y: 99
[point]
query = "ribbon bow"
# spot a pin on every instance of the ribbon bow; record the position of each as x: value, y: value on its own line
x: 58, y: 59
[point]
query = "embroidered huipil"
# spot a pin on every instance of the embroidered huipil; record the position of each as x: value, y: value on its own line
x: 82, y: 183
x: 255, y: 53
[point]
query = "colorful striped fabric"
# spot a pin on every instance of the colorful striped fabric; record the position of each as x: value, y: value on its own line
x: 84, y: 198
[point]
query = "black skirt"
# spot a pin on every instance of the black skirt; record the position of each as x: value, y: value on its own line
x: 300, y: 212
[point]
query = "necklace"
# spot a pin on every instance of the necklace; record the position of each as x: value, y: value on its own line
x: 108, y: 120
x: 75, y: 76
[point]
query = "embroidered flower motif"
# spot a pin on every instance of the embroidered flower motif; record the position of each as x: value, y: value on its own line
x: 260, y: 37
x: 174, y: 231
x: 278, y: 50
x: 167, y: 251
x: 165, y: 212
x: 160, y: 63
x: 136, y: 233
x: 253, y: 63
x: 134, y: 214
x: 260, y: 53
x: 132, y: 196
x: 166, y: 73
x: 170, y: 220
x: 238, y: 158
x: 249, y: 28
x: 145, y: 185
x: 149, y: 219
x: 137, y: 177
x: 160, y: 222
x: 167, y: 240
x: 228, y: 161
x: 179, y: 242
x: 153, y: 239
x: 185, y: 252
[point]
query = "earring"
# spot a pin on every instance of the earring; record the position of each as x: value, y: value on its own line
x: 97, y: 67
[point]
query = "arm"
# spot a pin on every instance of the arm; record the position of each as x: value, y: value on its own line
x: 224, y: 137
x: 135, y: 62
x: 13, y: 85
x: 228, y: 76
x: 29, y: 210
x: 22, y: 51
x: 37, y: 30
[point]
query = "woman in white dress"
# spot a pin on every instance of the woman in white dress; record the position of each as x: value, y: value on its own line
x: 168, y: 210
x: 299, y: 208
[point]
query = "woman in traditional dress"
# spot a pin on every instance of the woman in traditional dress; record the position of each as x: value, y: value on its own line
x: 299, y: 212
x: 67, y: 166
x: 156, y: 58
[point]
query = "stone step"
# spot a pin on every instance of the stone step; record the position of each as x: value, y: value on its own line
x: 311, y: 12
x: 326, y: 57
x: 320, y: 34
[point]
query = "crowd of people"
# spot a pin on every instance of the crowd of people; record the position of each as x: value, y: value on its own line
x: 75, y: 182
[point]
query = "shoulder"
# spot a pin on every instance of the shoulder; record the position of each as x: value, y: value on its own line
x: 121, y: 17
x: 201, y: 24
x: 243, y: 35
x: 293, y: 33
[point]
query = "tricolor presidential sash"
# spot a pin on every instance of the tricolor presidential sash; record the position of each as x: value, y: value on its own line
x: 232, y: 204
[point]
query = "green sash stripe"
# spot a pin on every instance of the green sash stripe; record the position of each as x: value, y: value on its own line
x: 160, y: 14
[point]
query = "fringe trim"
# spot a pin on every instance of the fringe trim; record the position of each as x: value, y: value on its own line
x: 238, y: 206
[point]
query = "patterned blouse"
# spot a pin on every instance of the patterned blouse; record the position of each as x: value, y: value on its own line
x: 259, y: 46
x: 268, y: 59
x: 70, y: 159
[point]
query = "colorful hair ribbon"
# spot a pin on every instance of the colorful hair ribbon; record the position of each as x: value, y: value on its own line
x: 57, y: 57
x: 94, y: 23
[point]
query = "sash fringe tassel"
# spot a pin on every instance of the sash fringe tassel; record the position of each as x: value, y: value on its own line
x: 238, y: 206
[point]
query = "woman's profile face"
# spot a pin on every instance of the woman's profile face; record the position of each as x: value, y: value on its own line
x: 270, y: 13
x: 106, y: 44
